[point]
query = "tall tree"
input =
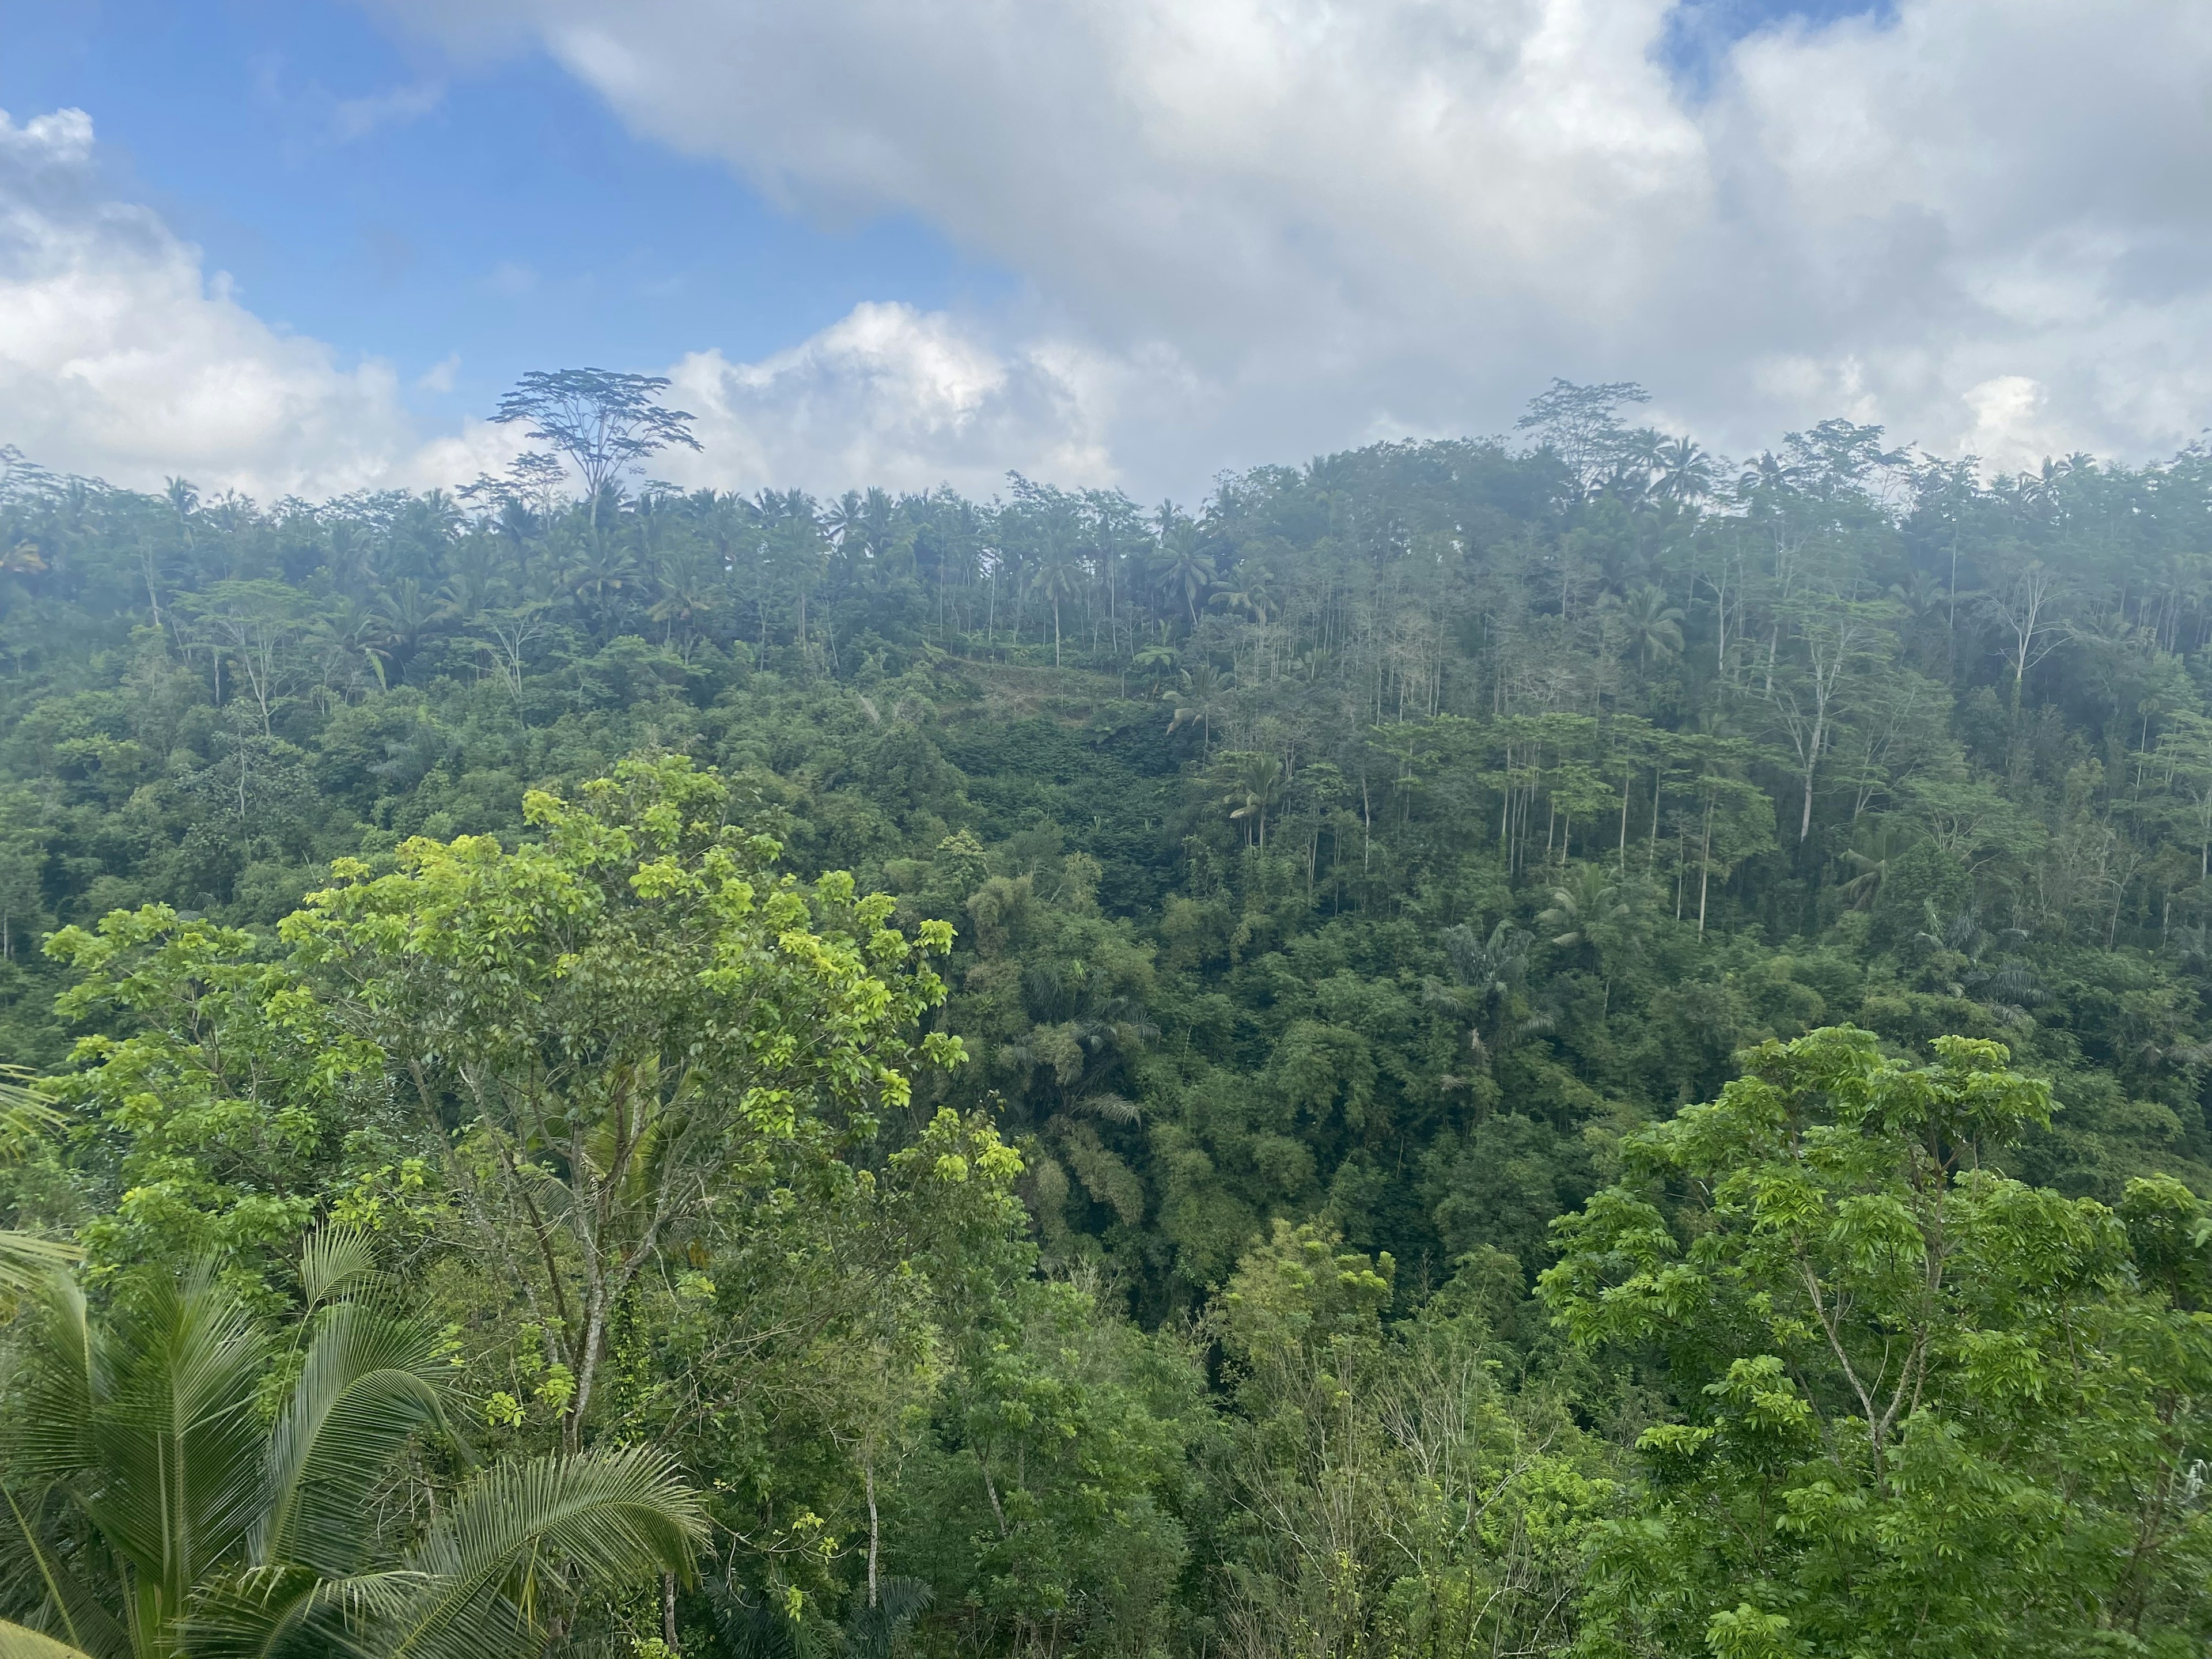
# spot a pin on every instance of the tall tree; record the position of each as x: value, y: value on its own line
x: 605, y: 422
x: 623, y: 1022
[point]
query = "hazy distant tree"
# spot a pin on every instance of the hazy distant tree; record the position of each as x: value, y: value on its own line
x: 1578, y: 425
x: 605, y: 422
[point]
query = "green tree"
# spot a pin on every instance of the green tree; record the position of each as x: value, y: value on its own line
x: 1204, y: 696
x: 1652, y: 625
x: 1922, y: 1409
x: 220, y: 1114
x: 624, y: 1024
x: 604, y: 421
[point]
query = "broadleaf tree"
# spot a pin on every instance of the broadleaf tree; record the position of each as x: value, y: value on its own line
x: 1918, y: 1406
x: 622, y: 1024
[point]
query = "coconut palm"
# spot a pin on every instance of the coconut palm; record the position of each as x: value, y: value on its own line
x: 1581, y: 908
x: 1965, y: 959
x: 1599, y: 913
x: 25, y: 1120
x: 1492, y: 973
x: 1651, y: 624
x: 409, y: 616
x: 599, y: 574
x: 1254, y: 595
x: 1183, y: 567
x: 1058, y: 575
x: 348, y: 635
x: 164, y: 1515
x: 1204, y: 694
x: 1255, y: 783
x: 1871, y: 860
x: 1156, y: 661
x: 1686, y: 471
x: 689, y: 592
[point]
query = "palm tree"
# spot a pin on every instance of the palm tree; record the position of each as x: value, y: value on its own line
x: 166, y: 1516
x: 1058, y: 576
x: 183, y: 497
x: 689, y: 592
x: 1965, y: 959
x: 598, y: 576
x: 1870, y: 861
x: 842, y: 518
x: 408, y: 615
x: 349, y: 634
x: 1156, y: 660
x: 1581, y: 908
x: 25, y: 1120
x: 1255, y: 782
x: 1253, y: 595
x: 1203, y: 695
x: 1686, y: 471
x: 1651, y: 623
x: 1598, y: 913
x: 1184, y: 568
x: 1491, y: 971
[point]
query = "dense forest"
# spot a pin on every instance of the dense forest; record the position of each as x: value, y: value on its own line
x: 1507, y: 1047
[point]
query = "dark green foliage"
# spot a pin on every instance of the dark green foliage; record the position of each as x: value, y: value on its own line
x: 1380, y: 852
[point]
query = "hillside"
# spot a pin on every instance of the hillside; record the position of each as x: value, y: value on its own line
x: 1374, y: 850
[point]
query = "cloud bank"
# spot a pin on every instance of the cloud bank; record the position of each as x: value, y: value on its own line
x: 1248, y: 230
x: 118, y: 356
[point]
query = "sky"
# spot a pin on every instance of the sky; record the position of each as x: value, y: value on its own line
x: 303, y: 247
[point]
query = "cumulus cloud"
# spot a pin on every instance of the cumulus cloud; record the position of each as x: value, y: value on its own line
x: 119, y: 356
x: 1249, y: 230
x: 1291, y: 223
x: 891, y: 396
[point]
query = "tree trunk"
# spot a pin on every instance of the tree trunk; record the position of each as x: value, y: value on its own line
x: 875, y: 1532
x: 1704, y: 865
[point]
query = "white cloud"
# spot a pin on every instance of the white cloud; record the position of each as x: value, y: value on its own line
x: 439, y: 376
x: 511, y: 280
x: 1293, y: 223
x: 891, y: 396
x: 119, y: 356
x: 1248, y: 230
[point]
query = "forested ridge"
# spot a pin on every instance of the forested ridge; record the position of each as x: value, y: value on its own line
x: 1536, y: 1045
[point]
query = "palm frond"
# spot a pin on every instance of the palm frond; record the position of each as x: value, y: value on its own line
x: 174, y: 1434
x: 872, y: 1633
x: 69, y: 1605
x: 59, y: 1372
x: 27, y: 1261
x: 1114, y: 1108
x: 758, y: 1630
x: 272, y: 1612
x: 608, y: 1518
x: 333, y: 1259
x: 25, y: 1116
x: 370, y: 1382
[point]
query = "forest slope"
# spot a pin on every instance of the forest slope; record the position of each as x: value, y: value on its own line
x: 1359, y: 865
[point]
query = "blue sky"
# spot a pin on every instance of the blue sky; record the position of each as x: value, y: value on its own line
x: 368, y: 191
x: 307, y: 243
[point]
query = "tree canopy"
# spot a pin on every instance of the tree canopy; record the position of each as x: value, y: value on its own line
x: 1562, y: 1045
